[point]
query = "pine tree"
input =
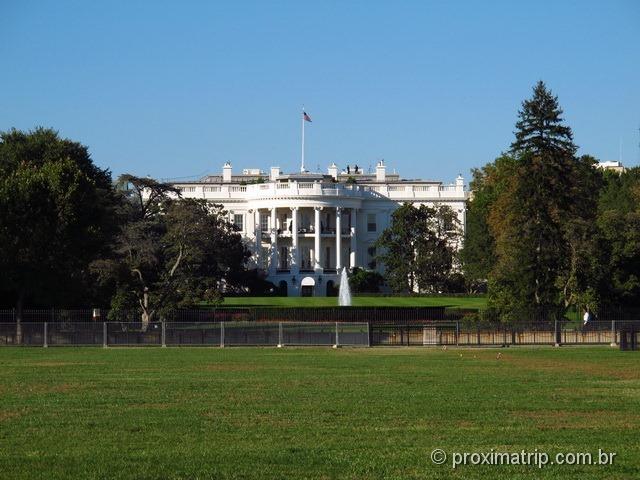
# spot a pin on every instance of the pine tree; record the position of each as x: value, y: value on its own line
x: 539, y: 268
x: 540, y: 129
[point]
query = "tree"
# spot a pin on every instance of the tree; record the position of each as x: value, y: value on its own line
x: 619, y: 225
x: 172, y: 252
x: 365, y: 281
x: 539, y: 129
x: 543, y: 222
x: 419, y: 249
x: 57, y: 214
x: 478, y: 255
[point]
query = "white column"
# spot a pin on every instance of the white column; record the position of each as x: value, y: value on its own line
x: 338, y: 239
x: 274, y: 242
x: 316, y: 253
x: 295, y: 257
x: 354, y: 243
x: 258, y: 234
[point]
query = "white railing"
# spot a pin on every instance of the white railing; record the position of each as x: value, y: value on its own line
x: 293, y: 189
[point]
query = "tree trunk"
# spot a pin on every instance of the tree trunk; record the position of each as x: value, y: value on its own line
x: 146, y: 316
x: 19, y: 313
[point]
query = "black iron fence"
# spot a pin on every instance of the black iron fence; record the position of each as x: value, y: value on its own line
x: 222, y: 334
x: 245, y: 333
x: 307, y: 326
x: 539, y: 333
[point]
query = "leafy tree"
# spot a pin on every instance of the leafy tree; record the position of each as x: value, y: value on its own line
x: 172, y: 252
x: 57, y: 214
x: 365, y: 281
x: 478, y: 254
x: 419, y: 249
x: 619, y: 225
x: 543, y: 223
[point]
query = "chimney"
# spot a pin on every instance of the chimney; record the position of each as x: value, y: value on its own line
x: 381, y: 172
x: 275, y: 173
x: 333, y: 170
x: 460, y: 183
x: 226, y: 172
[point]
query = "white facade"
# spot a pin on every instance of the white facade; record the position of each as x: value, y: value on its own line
x: 304, y: 228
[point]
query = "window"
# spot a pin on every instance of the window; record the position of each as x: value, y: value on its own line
x: 371, y: 222
x: 264, y: 222
x: 238, y: 221
x: 305, y: 258
x: 284, y: 258
x: 327, y: 258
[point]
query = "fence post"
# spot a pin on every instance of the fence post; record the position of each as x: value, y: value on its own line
x: 164, y: 334
x: 556, y: 334
x: 45, y: 344
x: 279, y: 334
x: 337, y: 339
x: 457, y: 333
x: 221, y: 334
x: 368, y: 334
x: 613, y: 333
x: 104, y: 334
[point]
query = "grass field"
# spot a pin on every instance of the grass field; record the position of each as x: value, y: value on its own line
x: 258, y: 413
x: 458, y: 302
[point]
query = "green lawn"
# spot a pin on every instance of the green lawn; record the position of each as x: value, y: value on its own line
x: 459, y: 302
x: 266, y: 413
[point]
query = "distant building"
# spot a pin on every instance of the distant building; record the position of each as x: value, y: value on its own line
x: 303, y: 228
x: 613, y: 165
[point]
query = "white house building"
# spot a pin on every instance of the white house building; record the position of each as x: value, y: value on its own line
x: 303, y: 228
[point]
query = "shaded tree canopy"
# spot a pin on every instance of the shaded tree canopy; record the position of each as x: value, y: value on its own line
x: 365, y: 281
x: 171, y: 252
x: 58, y: 212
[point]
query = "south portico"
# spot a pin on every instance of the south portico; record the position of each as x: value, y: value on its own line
x: 304, y: 246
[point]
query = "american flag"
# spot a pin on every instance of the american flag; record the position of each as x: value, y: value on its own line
x: 306, y: 117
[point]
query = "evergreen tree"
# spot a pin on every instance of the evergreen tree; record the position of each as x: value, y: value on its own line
x: 539, y: 129
x: 543, y: 223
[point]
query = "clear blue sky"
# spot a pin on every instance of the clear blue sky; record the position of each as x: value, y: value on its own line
x: 174, y: 89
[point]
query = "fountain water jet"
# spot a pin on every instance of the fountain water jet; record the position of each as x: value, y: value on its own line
x: 344, y: 296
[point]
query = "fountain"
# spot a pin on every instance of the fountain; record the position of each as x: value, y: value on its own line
x: 344, y: 297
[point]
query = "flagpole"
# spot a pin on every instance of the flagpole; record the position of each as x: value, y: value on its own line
x: 302, y: 165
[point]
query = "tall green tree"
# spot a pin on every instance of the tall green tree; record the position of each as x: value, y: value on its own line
x: 540, y: 129
x: 419, y: 249
x: 543, y: 223
x: 57, y: 214
x: 171, y: 252
x: 619, y: 225
x: 478, y: 254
